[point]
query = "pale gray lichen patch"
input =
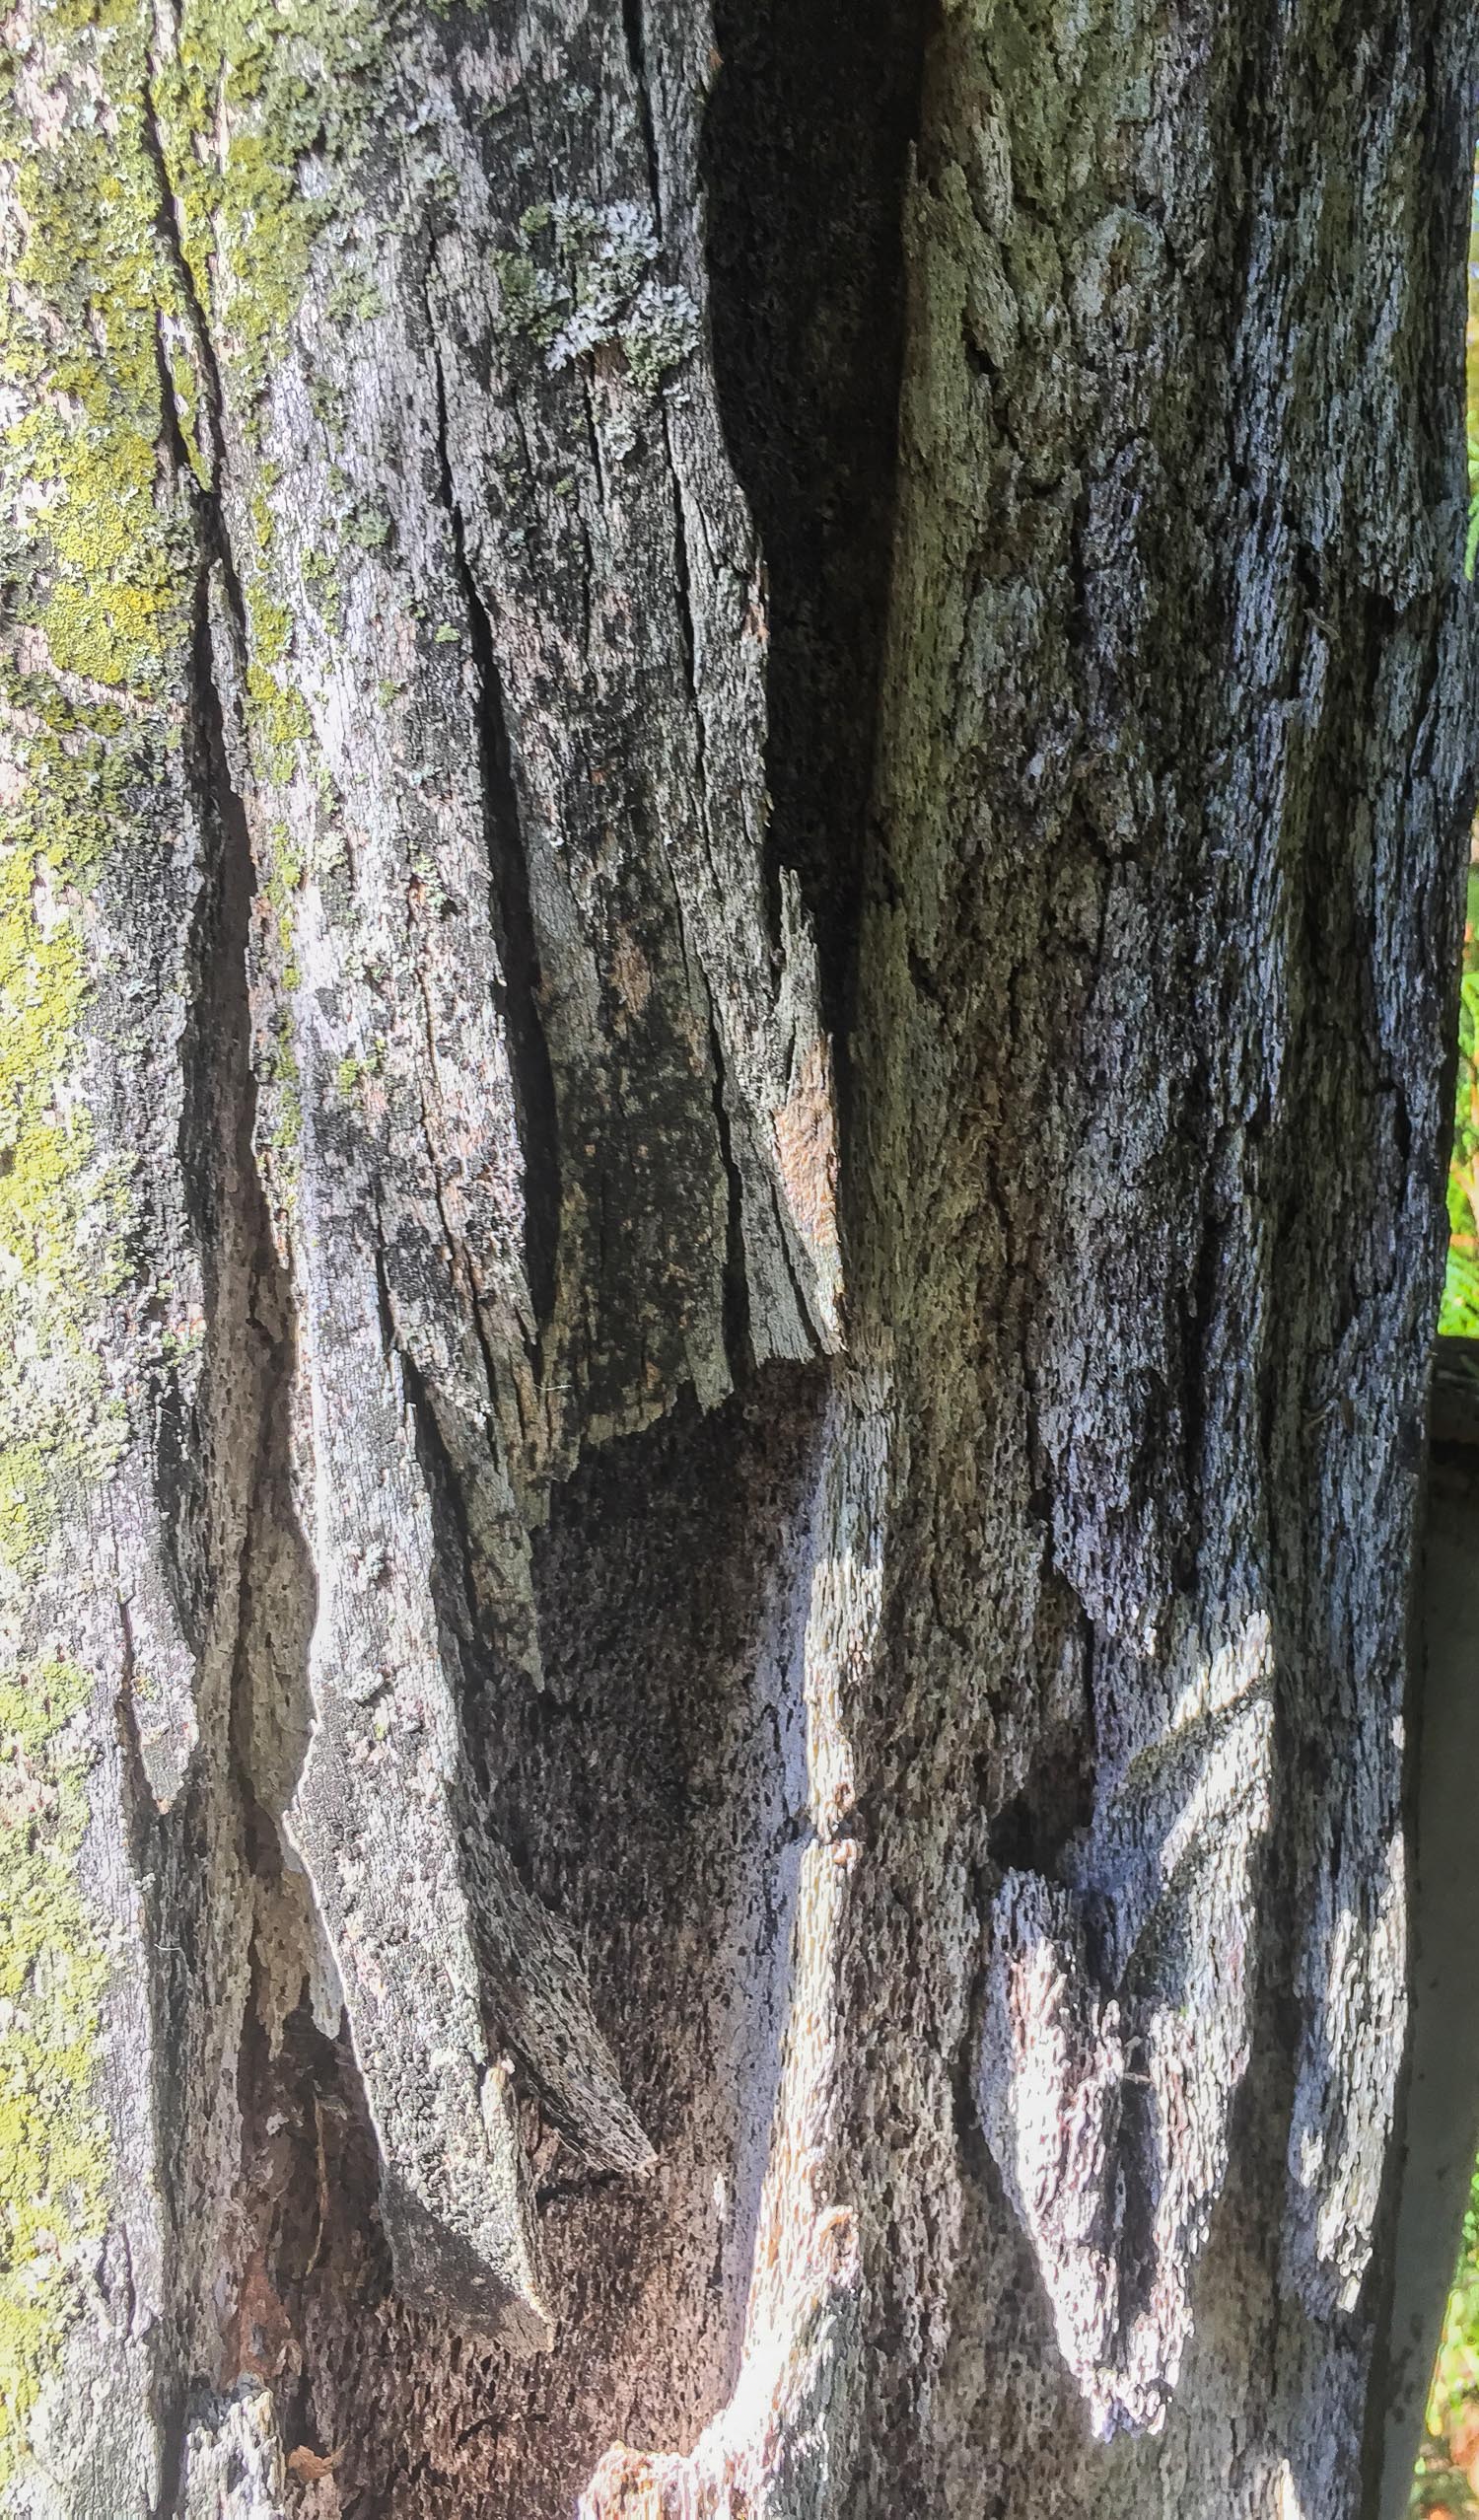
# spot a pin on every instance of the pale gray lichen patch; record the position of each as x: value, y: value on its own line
x: 600, y: 289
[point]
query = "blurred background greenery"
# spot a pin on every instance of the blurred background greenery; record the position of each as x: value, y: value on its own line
x: 1446, y: 2482
x: 1445, y: 2485
x: 1459, y: 1317
x: 1460, y: 1307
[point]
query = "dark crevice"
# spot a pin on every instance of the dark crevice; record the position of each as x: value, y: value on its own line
x: 803, y: 159
x: 454, y: 1557
x: 172, y: 434
x: 310, y: 2214
x: 213, y: 402
x: 1030, y: 1831
x: 241, y: 1541
x: 1054, y: 1802
x: 517, y: 2018
x: 636, y: 53
x: 217, y: 1107
x: 390, y: 1334
x: 171, y: 2440
x: 151, y: 1855
x: 277, y: 1598
x: 457, y: 1255
x: 533, y: 1076
x: 684, y: 583
x: 238, y: 1566
x: 1136, y: 2254
x: 140, y: 1811
x: 799, y: 1294
x: 536, y: 1106
x: 588, y: 2183
x: 736, y: 1306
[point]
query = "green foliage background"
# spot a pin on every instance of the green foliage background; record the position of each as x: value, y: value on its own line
x: 1447, y: 2465
x: 1448, y: 2460
x: 1459, y: 1317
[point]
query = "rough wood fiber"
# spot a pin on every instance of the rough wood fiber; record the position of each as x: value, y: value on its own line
x: 1172, y: 788
x: 463, y: 677
x: 640, y: 1886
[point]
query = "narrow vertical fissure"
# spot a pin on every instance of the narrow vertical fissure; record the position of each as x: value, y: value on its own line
x: 683, y: 587
x: 735, y: 1320
x: 286, y: 2080
x: 291, y: 2224
x: 535, y: 1102
x: 734, y: 1314
x: 153, y: 1847
x: 804, y: 162
x: 1133, y: 2241
x: 213, y: 402
x: 636, y: 53
x: 449, y: 1238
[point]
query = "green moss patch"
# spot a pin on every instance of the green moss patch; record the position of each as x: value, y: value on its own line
x: 53, y: 2143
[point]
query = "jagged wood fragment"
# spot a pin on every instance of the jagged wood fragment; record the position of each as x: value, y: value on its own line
x: 565, y: 1093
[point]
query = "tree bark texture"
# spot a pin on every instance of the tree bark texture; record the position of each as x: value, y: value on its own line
x: 737, y: 773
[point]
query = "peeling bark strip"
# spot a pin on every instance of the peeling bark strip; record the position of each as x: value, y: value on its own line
x: 550, y: 1165
x: 629, y: 1884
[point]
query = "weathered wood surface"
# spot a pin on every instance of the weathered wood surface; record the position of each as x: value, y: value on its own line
x: 643, y: 1877
x: 1174, y: 785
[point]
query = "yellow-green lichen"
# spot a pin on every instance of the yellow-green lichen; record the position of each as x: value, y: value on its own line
x: 61, y: 1204
x: 251, y: 91
x: 281, y: 881
x: 354, y: 298
x: 53, y: 2143
x: 280, y: 1119
x: 90, y: 302
x: 104, y: 569
x: 261, y: 106
x: 102, y: 558
x: 103, y: 565
x: 112, y: 283
x: 321, y: 586
x: 280, y: 722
